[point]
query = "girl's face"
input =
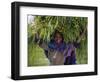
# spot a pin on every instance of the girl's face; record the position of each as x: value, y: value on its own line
x: 58, y: 38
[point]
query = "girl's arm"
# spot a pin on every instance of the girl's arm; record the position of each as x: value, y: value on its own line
x: 70, y: 56
x: 40, y: 42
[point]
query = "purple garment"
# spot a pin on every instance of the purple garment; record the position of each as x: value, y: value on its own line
x: 71, y: 55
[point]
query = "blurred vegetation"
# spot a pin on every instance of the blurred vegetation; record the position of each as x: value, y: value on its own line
x: 74, y: 29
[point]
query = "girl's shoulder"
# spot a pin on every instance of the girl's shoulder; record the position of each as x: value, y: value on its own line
x: 69, y: 45
x: 51, y: 44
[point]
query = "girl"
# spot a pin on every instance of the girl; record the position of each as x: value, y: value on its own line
x: 57, y: 51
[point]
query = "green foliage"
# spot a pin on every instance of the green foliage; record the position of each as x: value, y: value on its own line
x: 36, y: 56
x: 74, y: 29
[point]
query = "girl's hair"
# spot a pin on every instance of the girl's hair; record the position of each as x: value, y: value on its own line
x: 55, y: 32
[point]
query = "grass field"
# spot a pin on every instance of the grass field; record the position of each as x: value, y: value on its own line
x: 36, y: 56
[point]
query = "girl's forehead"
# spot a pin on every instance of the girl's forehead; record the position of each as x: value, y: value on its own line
x: 58, y: 34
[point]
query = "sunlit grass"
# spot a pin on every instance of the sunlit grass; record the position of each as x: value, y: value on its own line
x: 36, y: 56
